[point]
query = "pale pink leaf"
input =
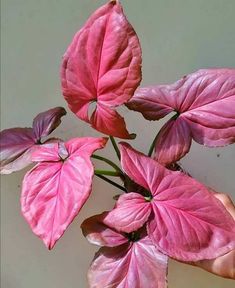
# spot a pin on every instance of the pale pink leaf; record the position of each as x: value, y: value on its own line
x: 49, y: 152
x: 138, y: 264
x: 188, y: 223
x: 204, y: 100
x: 102, y: 64
x: 130, y: 213
x: 100, y: 234
x: 54, y: 191
x: 152, y: 102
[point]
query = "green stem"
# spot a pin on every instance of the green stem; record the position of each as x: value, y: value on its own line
x: 107, y: 172
x: 107, y: 161
x: 111, y: 182
x: 174, y: 117
x: 152, y: 146
x: 115, y: 147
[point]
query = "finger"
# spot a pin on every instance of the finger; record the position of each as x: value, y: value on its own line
x: 223, y: 266
x: 227, y: 202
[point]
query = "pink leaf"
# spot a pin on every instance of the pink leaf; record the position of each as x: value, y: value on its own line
x: 102, y: 64
x: 52, y: 152
x: 54, y: 191
x: 187, y: 222
x: 138, y: 264
x: 98, y: 233
x: 141, y: 169
x: 173, y: 141
x: 152, y: 102
x: 130, y: 213
x: 204, y: 101
x: 108, y: 121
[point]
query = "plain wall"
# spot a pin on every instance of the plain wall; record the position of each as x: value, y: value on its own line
x: 178, y: 37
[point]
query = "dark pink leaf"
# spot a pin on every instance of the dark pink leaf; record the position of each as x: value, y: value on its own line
x: 100, y: 234
x: 108, y: 121
x: 135, y: 265
x: 173, y: 142
x: 102, y: 64
x: 46, y: 122
x: 204, y: 101
x: 187, y: 222
x: 141, y: 169
x: 15, y: 149
x: 54, y: 191
x: 130, y: 213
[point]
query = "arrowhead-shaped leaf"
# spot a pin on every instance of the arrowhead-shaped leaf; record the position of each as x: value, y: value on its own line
x: 204, y: 102
x: 138, y: 264
x: 102, y: 64
x: 187, y: 222
x: 55, y: 190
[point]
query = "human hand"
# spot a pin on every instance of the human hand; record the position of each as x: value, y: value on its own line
x: 223, y: 266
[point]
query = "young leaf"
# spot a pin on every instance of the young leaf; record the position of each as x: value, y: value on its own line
x: 18, y: 144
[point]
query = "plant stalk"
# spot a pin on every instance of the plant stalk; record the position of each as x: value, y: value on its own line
x: 115, y: 147
x: 111, y: 182
x: 111, y: 163
x: 108, y: 172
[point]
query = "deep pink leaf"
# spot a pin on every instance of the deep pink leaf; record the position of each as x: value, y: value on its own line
x: 187, y: 222
x: 46, y: 122
x: 130, y: 213
x: 141, y: 169
x: 173, y: 142
x: 100, y: 234
x: 102, y: 64
x: 54, y: 191
x: 204, y: 101
x: 108, y: 121
x: 135, y: 265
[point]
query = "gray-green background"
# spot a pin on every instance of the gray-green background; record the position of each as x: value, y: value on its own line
x: 178, y: 37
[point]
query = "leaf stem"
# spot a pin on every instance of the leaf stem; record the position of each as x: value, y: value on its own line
x: 153, y: 145
x: 111, y: 182
x: 173, y: 118
x: 115, y: 147
x: 107, y: 172
x: 111, y: 163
